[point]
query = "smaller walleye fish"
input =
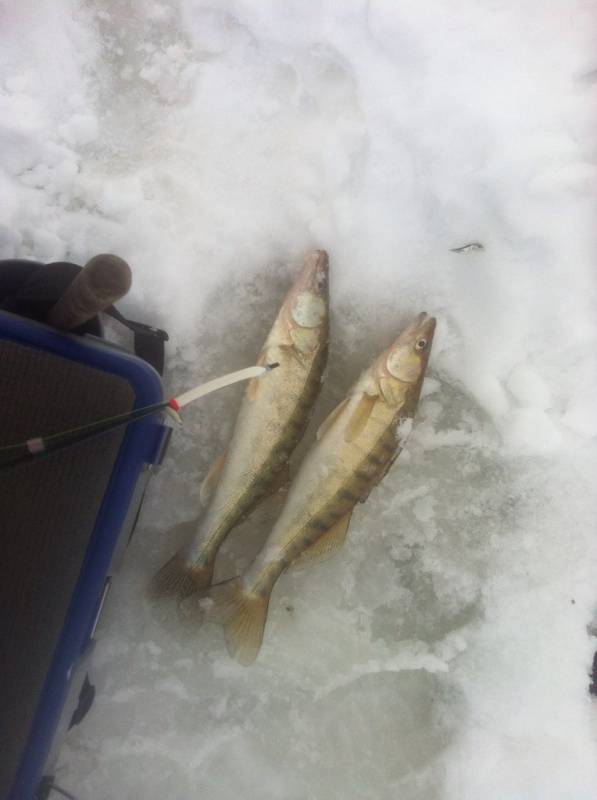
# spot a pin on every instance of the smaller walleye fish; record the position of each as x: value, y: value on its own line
x: 271, y: 420
x: 471, y: 247
x: 355, y: 447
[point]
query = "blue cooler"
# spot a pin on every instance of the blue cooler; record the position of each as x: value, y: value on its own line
x: 63, y: 520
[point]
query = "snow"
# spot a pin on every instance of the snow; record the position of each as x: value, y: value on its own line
x: 445, y: 652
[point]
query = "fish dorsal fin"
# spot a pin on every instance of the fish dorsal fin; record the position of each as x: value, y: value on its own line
x: 360, y: 415
x: 392, y: 391
x: 211, y: 479
x: 327, y: 544
x: 331, y: 418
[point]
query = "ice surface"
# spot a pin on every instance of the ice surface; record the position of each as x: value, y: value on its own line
x: 444, y: 653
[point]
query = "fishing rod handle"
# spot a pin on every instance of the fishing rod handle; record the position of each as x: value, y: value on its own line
x: 103, y: 280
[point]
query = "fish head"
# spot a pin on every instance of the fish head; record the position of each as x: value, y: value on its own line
x: 307, y: 304
x: 407, y: 357
x: 401, y: 368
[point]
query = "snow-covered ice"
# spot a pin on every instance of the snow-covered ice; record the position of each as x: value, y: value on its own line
x: 445, y: 652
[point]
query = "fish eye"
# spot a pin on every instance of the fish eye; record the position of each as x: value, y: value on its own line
x: 421, y: 344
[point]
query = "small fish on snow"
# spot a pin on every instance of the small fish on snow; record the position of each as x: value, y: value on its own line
x: 471, y: 247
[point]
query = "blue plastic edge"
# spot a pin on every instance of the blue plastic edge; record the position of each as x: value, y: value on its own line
x: 139, y: 447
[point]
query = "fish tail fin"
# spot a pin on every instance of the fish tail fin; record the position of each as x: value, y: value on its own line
x: 181, y: 578
x: 243, y: 616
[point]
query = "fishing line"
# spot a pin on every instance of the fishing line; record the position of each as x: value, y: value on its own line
x: 37, y: 447
x: 63, y: 792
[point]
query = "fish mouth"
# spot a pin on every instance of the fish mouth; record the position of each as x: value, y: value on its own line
x: 314, y: 274
x: 423, y: 325
x: 421, y: 329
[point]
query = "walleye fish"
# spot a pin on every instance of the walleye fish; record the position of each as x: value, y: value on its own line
x: 273, y: 415
x: 356, y: 445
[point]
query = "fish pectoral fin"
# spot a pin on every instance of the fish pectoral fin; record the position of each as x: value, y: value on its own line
x: 292, y: 351
x: 331, y: 418
x: 211, y: 479
x: 359, y: 417
x: 253, y: 385
x: 327, y: 544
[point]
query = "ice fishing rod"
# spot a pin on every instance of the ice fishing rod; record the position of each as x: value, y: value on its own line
x: 37, y: 447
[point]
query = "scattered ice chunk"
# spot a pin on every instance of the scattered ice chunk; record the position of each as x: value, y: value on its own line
x: 47, y: 245
x: 173, y: 686
x: 18, y: 83
x: 184, y: 663
x: 403, y: 429
x: 580, y: 415
x: 159, y: 12
x: 125, y: 695
x: 430, y: 386
x: 530, y: 431
x: 10, y: 241
x: 529, y: 388
x: 423, y: 508
x: 119, y: 197
x: 219, y: 706
x: 80, y: 129
x: 153, y: 648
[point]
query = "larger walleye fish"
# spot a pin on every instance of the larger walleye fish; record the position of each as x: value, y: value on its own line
x: 356, y: 445
x: 272, y: 418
